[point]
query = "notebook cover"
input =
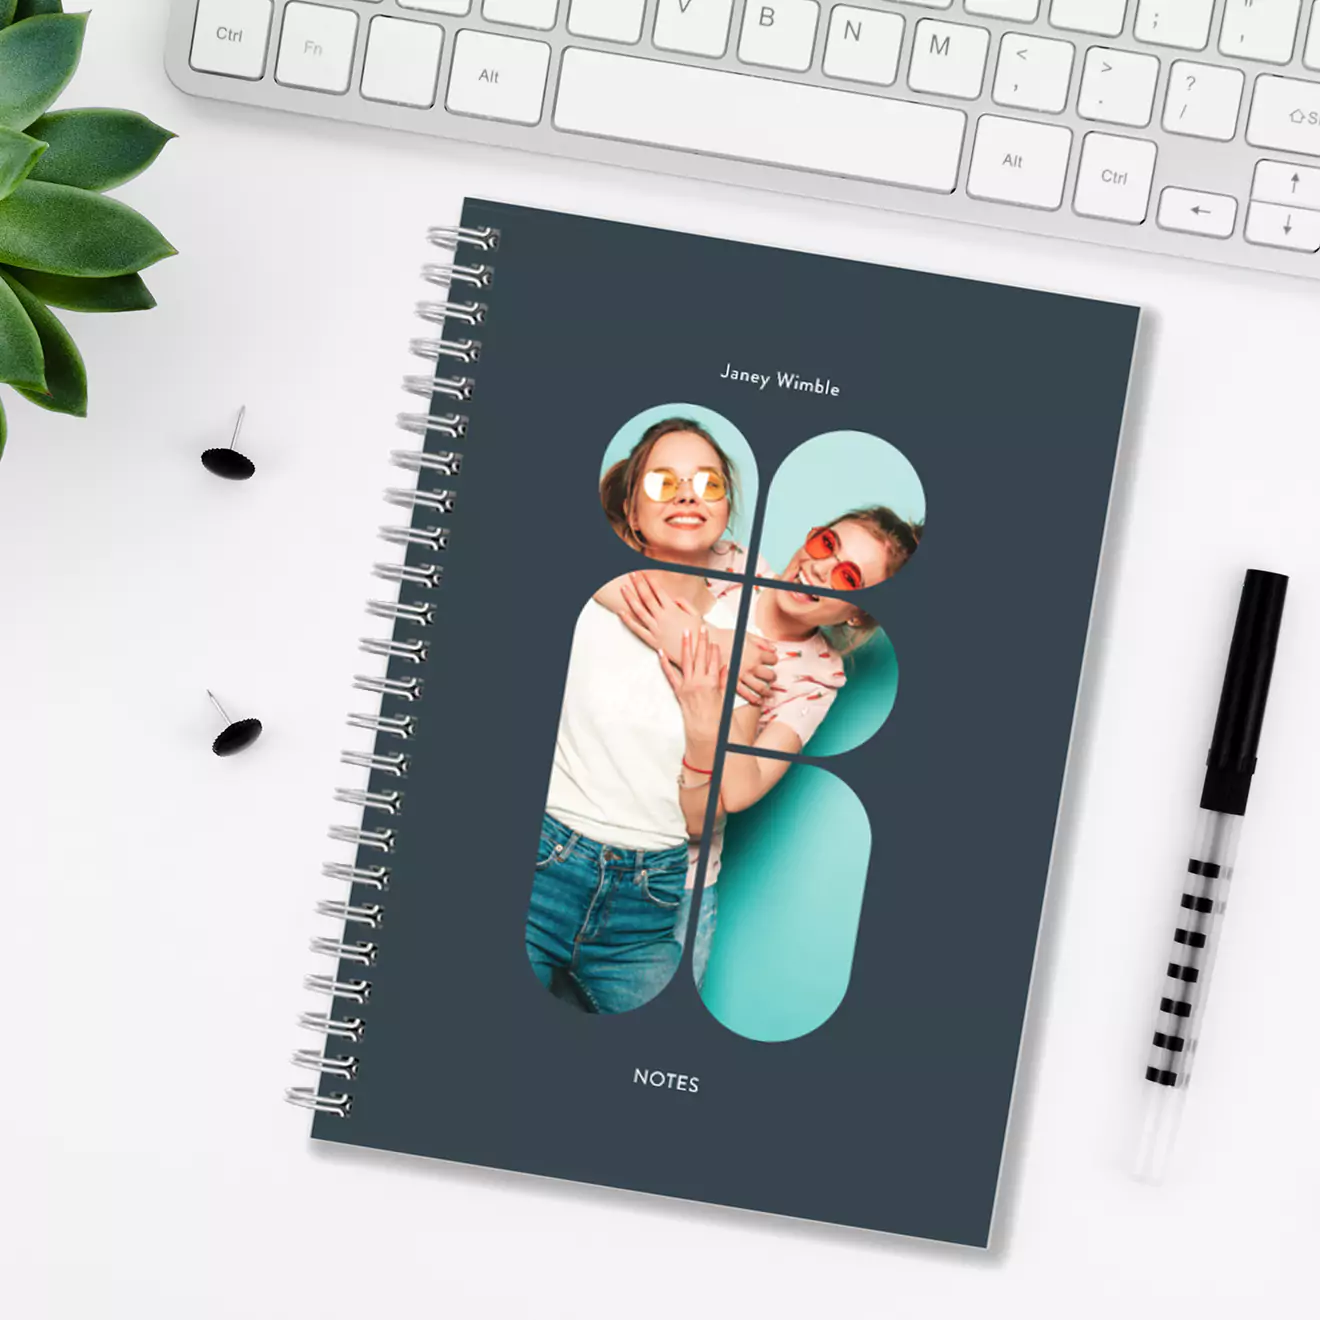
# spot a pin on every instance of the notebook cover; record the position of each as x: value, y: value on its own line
x: 889, y: 1110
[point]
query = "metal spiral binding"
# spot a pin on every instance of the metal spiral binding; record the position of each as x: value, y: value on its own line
x: 446, y: 463
x: 387, y: 802
x: 327, y: 1066
x: 375, y: 877
x: 442, y: 501
x: 413, y: 608
x: 469, y: 313
x: 433, y: 538
x: 413, y: 650
x: 453, y: 425
x: 458, y: 388
x: 461, y: 350
x: 361, y: 952
x: 395, y: 763
x: 448, y: 273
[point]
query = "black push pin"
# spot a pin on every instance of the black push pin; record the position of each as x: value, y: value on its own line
x: 237, y: 734
x: 229, y: 463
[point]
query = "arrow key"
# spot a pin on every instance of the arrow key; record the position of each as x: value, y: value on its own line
x: 1283, y: 227
x: 1190, y: 212
x: 1286, y: 185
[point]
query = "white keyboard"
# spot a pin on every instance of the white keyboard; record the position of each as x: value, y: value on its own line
x: 1189, y: 127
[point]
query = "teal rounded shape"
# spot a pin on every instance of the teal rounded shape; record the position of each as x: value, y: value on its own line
x: 729, y: 438
x: 864, y: 702
x: 790, y: 899
x: 829, y: 476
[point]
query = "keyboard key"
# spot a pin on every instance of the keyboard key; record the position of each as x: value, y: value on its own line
x: 437, y: 6
x: 780, y: 34
x: 693, y: 27
x: 1287, y: 185
x: 403, y: 61
x: 1203, y: 100
x: 1114, y: 178
x: 229, y: 37
x: 1190, y: 212
x: 857, y: 134
x: 1285, y: 115
x: 1311, y: 56
x: 1283, y: 227
x: 1017, y: 161
x: 316, y: 47
x: 1263, y: 30
x: 498, y: 77
x: 1033, y: 73
x: 1184, y: 23
x: 522, y: 13
x: 863, y: 45
x: 1019, y: 11
x: 1105, y: 18
x: 1118, y: 87
x: 948, y: 59
x: 927, y: 4
x: 607, y: 20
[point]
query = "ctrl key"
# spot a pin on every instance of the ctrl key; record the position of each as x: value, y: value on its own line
x: 230, y: 37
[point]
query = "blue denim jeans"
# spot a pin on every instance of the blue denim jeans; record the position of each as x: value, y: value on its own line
x: 605, y: 925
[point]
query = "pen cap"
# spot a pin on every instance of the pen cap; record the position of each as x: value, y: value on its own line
x: 1232, y: 759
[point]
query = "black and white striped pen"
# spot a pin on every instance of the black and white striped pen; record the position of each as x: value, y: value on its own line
x: 1229, y: 767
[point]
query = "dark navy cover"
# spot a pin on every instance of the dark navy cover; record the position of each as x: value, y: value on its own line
x: 891, y: 1114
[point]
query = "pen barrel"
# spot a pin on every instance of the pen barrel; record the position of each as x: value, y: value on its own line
x: 1195, y: 943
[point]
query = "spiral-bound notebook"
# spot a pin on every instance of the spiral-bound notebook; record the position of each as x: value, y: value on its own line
x: 708, y: 806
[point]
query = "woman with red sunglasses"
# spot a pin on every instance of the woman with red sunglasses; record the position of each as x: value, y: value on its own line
x: 811, y: 634
x: 610, y: 901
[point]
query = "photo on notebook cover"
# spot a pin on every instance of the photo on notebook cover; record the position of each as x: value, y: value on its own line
x: 639, y: 761
x: 742, y: 714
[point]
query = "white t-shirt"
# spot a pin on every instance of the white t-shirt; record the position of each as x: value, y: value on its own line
x: 620, y: 744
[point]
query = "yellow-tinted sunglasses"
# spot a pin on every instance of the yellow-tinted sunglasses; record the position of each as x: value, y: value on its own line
x: 662, y: 484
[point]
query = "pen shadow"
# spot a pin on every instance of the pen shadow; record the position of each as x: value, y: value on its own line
x: 1076, y: 776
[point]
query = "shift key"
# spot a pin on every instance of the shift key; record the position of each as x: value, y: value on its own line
x: 1285, y: 115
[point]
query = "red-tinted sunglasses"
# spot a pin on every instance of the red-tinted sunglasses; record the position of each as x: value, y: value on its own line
x: 824, y: 543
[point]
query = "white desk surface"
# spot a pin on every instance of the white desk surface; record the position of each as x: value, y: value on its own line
x: 158, y: 900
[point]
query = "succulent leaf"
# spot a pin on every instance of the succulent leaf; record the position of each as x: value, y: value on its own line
x: 28, y: 8
x: 18, y: 154
x: 115, y: 293
x: 2, y: 429
x: 66, y: 378
x: 38, y: 56
x: 67, y: 231
x: 7, y: 11
x: 96, y: 149
x: 20, y: 344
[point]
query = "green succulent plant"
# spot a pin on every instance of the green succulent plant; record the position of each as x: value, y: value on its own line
x: 63, y: 243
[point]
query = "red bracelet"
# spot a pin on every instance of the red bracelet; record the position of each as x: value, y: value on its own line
x: 687, y: 765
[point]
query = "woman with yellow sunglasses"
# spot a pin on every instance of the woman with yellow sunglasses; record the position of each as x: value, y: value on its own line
x: 608, y: 911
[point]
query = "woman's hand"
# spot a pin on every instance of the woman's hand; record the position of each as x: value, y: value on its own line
x: 661, y: 621
x: 698, y: 684
x: 655, y: 616
x: 758, y: 669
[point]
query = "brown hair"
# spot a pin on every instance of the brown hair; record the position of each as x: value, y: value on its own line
x: 901, y: 539
x: 619, y: 485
